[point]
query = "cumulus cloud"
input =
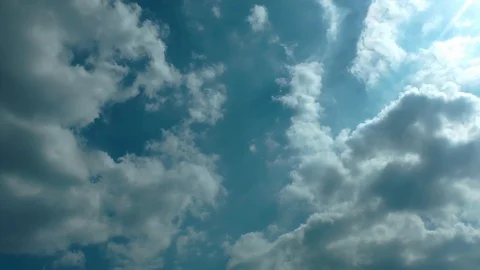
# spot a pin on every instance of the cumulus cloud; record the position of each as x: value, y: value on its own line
x: 258, y: 18
x: 309, y: 141
x: 378, y: 50
x: 396, y: 192
x: 60, y: 67
x: 85, y: 42
x: 207, y: 96
x: 163, y: 193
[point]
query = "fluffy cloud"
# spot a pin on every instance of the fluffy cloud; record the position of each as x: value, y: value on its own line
x: 309, y: 141
x: 60, y: 67
x: 206, y: 95
x: 76, y: 60
x: 258, y: 18
x: 445, y: 53
x: 146, y: 197
x: 448, y: 57
x: 377, y: 50
x: 397, y: 192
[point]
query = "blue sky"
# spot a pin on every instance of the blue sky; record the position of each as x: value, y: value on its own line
x: 222, y: 134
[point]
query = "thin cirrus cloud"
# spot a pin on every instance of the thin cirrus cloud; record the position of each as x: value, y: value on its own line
x: 249, y: 166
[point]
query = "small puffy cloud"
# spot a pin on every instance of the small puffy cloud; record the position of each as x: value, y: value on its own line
x: 258, y: 18
x: 70, y: 260
x: 216, y: 11
x: 206, y: 95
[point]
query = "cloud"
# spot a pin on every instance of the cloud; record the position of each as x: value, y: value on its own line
x: 206, y: 95
x: 71, y: 259
x: 333, y: 16
x: 454, y: 60
x: 378, y: 50
x: 258, y: 18
x: 186, y: 243
x: 60, y: 68
x: 397, y: 191
x: 216, y: 11
x: 392, y: 193
x: 163, y: 192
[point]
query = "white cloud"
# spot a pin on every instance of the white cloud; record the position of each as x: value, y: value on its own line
x: 216, y: 11
x: 310, y: 143
x: 306, y: 86
x: 377, y: 50
x: 49, y: 200
x: 453, y: 60
x: 206, y: 95
x: 162, y: 192
x: 396, y: 192
x: 305, y: 133
x: 333, y: 16
x: 258, y: 18
x: 107, y: 35
x: 71, y: 259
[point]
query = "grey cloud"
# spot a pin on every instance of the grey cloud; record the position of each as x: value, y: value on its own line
x: 404, y: 179
x: 70, y: 260
x: 48, y: 91
x: 63, y: 92
x: 377, y: 50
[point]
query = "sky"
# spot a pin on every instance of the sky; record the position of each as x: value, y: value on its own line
x: 242, y: 135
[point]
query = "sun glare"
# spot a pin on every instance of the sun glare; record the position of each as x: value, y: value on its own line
x: 458, y: 16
